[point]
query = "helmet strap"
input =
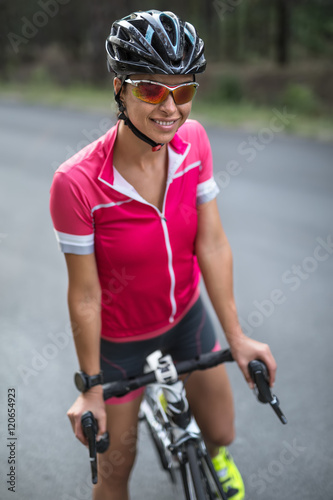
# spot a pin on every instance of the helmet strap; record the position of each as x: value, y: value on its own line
x: 155, y: 145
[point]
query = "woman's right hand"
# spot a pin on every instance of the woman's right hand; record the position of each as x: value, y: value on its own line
x: 91, y: 400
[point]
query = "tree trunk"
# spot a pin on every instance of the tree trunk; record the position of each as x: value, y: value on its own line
x: 102, y: 15
x: 283, y: 32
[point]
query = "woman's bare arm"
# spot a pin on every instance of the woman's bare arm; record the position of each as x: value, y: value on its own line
x: 84, y: 303
x: 215, y: 260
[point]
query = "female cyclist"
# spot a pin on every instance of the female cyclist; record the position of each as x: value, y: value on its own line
x: 135, y: 213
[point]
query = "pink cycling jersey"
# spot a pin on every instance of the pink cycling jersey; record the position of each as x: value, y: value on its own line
x: 145, y: 257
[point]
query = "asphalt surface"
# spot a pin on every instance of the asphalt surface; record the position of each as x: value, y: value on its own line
x: 276, y: 203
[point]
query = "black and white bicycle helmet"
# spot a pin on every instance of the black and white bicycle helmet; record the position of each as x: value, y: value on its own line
x: 152, y: 42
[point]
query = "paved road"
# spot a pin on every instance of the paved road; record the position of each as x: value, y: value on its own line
x: 277, y: 207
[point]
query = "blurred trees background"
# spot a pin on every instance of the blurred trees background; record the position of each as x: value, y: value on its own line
x: 64, y: 39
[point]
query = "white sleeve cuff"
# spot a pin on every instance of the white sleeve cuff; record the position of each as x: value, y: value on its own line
x: 207, y: 191
x: 71, y: 243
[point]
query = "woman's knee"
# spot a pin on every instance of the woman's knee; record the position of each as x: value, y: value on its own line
x: 222, y: 435
x: 115, y: 466
x: 212, y: 405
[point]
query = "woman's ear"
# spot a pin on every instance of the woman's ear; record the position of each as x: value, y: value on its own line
x: 116, y: 84
x: 118, y: 94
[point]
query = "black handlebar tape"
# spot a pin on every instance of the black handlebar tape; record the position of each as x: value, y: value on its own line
x: 208, y: 360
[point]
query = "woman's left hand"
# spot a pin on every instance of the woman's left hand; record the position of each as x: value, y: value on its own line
x: 245, y: 350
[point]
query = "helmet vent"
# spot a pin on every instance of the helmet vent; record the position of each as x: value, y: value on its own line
x: 187, y: 48
x: 140, y: 26
x: 124, y: 35
x: 158, y: 46
x: 169, y: 26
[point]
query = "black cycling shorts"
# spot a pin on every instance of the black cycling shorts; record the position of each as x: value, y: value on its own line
x: 192, y: 336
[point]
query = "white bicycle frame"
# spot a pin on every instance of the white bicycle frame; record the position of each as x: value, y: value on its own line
x: 166, y: 411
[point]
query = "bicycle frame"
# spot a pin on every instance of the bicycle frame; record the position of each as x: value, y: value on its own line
x: 173, y: 430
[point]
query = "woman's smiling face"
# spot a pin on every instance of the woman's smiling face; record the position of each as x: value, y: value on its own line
x: 160, y: 121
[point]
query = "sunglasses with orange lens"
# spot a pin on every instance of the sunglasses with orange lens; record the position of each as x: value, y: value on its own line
x: 156, y: 92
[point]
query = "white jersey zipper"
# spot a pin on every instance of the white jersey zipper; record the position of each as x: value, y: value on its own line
x: 135, y: 196
x: 171, y: 270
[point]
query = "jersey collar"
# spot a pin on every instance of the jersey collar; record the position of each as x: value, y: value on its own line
x: 178, y: 150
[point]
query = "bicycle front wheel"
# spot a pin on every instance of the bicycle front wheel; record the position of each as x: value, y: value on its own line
x: 194, y: 487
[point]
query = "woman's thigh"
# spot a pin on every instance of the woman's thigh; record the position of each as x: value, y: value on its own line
x: 114, y: 466
x: 211, y: 401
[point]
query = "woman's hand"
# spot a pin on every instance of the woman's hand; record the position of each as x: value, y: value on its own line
x: 245, y: 350
x: 91, y: 400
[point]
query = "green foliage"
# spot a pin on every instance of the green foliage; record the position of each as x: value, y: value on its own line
x: 312, y: 29
x: 228, y: 88
x: 301, y: 99
x: 40, y: 76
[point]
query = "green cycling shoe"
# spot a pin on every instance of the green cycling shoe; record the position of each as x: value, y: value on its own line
x: 229, y: 475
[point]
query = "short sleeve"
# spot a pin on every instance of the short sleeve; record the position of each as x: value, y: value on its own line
x: 207, y: 188
x: 71, y: 216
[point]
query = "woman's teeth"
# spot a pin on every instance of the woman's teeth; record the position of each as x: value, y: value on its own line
x: 164, y: 123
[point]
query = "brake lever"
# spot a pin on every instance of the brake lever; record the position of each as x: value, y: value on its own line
x: 90, y: 430
x: 259, y: 375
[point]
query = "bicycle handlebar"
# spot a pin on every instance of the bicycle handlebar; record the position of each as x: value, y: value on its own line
x: 208, y: 360
x: 257, y: 369
x: 258, y: 373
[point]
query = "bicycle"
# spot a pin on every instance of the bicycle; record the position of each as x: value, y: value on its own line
x: 174, y: 432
